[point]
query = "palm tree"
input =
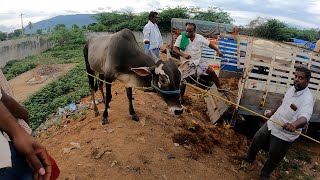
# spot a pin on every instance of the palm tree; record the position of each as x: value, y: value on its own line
x: 30, y: 25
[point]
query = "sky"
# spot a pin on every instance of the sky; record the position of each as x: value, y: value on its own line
x: 297, y: 13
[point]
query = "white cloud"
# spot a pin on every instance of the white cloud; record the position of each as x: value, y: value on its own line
x: 302, y: 14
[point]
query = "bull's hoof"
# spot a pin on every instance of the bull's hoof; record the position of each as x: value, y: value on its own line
x: 135, y: 117
x: 104, y: 121
x: 96, y: 114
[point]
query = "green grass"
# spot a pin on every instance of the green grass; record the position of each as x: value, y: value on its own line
x: 68, y: 88
x: 55, y: 56
x: 294, y: 168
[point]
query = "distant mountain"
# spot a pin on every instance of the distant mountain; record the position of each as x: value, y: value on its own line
x: 68, y: 20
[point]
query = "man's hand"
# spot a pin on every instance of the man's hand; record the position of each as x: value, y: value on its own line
x: 269, y: 114
x: 289, y: 127
x: 186, y: 56
x: 35, y: 154
x: 146, y: 42
x: 219, y: 54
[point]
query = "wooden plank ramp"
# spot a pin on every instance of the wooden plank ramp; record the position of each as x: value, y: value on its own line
x: 216, y: 107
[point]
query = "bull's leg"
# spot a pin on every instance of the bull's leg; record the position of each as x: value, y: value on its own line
x: 182, y: 91
x: 95, y: 108
x: 91, y: 73
x: 108, y: 99
x: 133, y: 114
x: 101, y: 76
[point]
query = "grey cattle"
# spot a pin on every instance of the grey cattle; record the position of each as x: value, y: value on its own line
x: 119, y: 57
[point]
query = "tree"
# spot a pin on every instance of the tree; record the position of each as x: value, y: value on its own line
x: 96, y: 27
x: 30, y: 25
x: 277, y: 30
x: 3, y: 36
x: 213, y: 14
x: 67, y: 38
x: 39, y: 31
x: 74, y: 26
x: 167, y: 14
x: 59, y: 26
x: 17, y: 32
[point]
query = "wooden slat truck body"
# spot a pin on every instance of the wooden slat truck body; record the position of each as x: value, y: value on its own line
x: 269, y: 71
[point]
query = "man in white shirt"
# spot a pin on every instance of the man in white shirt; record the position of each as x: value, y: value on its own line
x: 151, y: 35
x: 193, y: 52
x: 21, y: 150
x: 294, y: 113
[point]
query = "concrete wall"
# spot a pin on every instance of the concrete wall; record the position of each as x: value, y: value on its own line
x: 18, y: 49
x: 138, y: 35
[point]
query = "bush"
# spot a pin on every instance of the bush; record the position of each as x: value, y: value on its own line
x: 67, y: 38
x: 69, y: 88
x: 17, y: 67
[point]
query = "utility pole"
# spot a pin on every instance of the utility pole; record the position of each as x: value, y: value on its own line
x: 21, y: 23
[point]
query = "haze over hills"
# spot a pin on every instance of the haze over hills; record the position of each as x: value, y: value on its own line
x: 68, y: 20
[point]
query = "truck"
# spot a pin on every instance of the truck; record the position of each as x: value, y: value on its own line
x: 265, y: 69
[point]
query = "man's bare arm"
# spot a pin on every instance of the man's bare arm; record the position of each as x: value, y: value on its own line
x: 35, y: 154
x: 14, y: 107
x: 299, y: 123
x: 177, y: 51
x: 212, y: 46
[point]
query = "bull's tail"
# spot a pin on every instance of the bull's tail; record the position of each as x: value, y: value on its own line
x: 90, y: 72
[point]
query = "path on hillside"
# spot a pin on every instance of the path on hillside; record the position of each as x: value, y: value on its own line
x: 22, y: 89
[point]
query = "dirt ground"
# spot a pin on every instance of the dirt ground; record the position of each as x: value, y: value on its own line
x: 22, y: 89
x: 160, y: 146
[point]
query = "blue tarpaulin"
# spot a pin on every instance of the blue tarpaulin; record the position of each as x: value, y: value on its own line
x: 303, y: 42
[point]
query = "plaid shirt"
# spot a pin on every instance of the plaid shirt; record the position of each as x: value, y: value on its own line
x: 7, y: 89
x: 5, y: 85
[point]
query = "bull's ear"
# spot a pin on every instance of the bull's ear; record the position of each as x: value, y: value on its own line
x: 184, y: 68
x: 143, y: 71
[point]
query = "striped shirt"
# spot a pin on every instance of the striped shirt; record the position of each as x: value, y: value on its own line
x: 5, y: 155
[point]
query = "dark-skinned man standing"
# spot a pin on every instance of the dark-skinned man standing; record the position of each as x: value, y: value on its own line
x: 151, y: 35
x: 294, y: 113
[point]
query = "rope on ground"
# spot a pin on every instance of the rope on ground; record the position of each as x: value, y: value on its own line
x: 255, y: 113
x: 211, y: 94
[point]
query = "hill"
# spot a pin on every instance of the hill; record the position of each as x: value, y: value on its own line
x: 68, y: 20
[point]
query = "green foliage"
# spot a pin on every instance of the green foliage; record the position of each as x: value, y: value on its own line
x: 59, y: 26
x: 3, y: 36
x: 96, y: 27
x: 167, y: 14
x: 213, y: 14
x: 17, y: 32
x: 17, y: 67
x: 67, y: 38
x: 115, y: 21
x: 68, y: 88
x: 277, y: 30
x: 39, y: 31
x: 294, y: 164
x: 30, y: 25
x: 54, y: 56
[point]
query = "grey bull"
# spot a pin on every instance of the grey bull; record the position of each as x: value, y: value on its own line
x: 119, y: 57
